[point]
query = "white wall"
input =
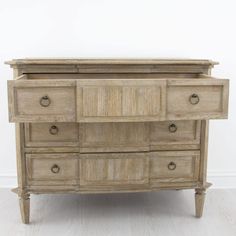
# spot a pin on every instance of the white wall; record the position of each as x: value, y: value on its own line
x: 124, y: 28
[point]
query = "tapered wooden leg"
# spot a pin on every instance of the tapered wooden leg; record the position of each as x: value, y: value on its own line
x: 24, y: 201
x: 199, y: 202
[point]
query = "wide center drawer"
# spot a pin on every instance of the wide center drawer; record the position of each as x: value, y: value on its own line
x: 114, y: 169
x: 116, y: 100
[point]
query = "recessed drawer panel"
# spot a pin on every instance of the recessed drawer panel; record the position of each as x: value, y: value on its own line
x: 40, y: 101
x: 52, y: 169
x: 197, y: 99
x: 114, y: 137
x: 174, y: 166
x: 120, y: 100
x: 51, y: 134
x: 110, y: 169
x: 184, y: 134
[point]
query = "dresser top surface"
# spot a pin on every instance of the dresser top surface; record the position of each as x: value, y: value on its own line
x: 109, y: 61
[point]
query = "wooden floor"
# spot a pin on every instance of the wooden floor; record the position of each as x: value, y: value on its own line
x: 164, y: 213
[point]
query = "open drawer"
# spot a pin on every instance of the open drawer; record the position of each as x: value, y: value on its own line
x: 42, y: 100
x: 197, y: 99
x: 116, y: 100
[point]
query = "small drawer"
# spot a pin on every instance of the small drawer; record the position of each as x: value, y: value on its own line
x: 52, y: 169
x: 174, y: 166
x: 175, y: 135
x: 51, y: 134
x: 42, y: 101
x: 197, y: 99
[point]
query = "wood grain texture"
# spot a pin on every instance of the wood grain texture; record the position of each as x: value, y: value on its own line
x: 114, y: 169
x: 109, y: 61
x: 112, y: 126
x: 25, y: 96
x: 185, y: 132
x: 51, y: 134
x: 120, y: 100
x: 185, y: 166
x: 40, y: 169
x: 111, y: 137
x: 213, y: 99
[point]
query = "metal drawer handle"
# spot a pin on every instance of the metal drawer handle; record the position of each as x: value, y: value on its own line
x: 194, y: 99
x: 172, y: 128
x: 45, y: 101
x: 53, y: 130
x: 171, y: 166
x: 55, y: 169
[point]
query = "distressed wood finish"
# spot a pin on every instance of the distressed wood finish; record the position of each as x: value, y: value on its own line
x: 120, y: 100
x: 113, y: 125
x: 114, y: 137
x: 52, y: 169
x: 114, y: 169
x: 174, y: 166
x: 25, y: 98
x: 212, y: 95
x: 117, y: 100
x: 175, y: 135
x: 51, y: 134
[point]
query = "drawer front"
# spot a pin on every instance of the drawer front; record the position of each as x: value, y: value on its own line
x: 197, y: 99
x: 175, y: 135
x: 52, y: 169
x: 114, y: 137
x: 120, y: 100
x: 51, y: 134
x: 41, y: 101
x: 174, y: 166
x: 113, y: 169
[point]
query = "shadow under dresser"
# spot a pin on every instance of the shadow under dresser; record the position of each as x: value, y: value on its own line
x: 113, y: 125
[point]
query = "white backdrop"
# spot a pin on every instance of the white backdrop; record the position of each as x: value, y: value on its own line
x: 203, y: 29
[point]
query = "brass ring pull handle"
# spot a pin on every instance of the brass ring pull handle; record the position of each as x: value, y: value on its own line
x: 53, y: 130
x: 194, y: 99
x: 171, y: 166
x: 172, y: 128
x: 45, y: 101
x: 55, y: 169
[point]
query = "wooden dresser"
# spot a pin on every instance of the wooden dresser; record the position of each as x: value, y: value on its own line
x: 113, y: 125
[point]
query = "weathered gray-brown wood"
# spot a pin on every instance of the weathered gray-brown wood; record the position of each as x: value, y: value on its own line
x: 113, y: 125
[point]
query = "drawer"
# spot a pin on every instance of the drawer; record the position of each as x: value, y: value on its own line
x: 51, y: 134
x: 174, y: 166
x: 52, y: 169
x: 197, y: 99
x: 114, y: 100
x: 114, y: 169
x: 114, y: 137
x: 41, y: 100
x: 184, y: 134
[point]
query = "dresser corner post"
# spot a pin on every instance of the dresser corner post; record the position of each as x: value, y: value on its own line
x: 23, y: 195
x: 200, y: 191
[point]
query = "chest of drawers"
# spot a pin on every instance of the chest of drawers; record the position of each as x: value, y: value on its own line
x: 113, y: 125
